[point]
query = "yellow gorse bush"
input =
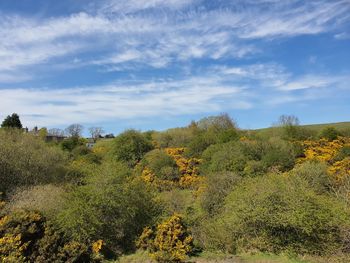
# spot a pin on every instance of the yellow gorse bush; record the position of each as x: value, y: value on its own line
x: 188, y: 168
x: 97, y: 246
x: 340, y: 170
x: 169, y: 242
x: 326, y: 151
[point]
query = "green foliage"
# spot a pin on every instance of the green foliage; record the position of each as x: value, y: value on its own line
x: 161, y: 164
x: 249, y: 157
x: 47, y: 199
x: 219, y: 185
x: 315, y: 173
x: 211, y: 130
x: 177, y: 137
x: 291, y: 130
x: 12, y: 121
x: 275, y: 213
x: 329, y: 133
x: 27, y: 160
x: 111, y: 206
x: 69, y: 144
x: 130, y: 146
x: 343, y: 153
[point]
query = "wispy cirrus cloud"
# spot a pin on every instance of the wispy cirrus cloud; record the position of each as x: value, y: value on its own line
x: 121, y: 101
x: 185, y: 30
x: 192, y: 56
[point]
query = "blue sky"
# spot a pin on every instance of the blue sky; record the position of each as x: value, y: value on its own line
x: 156, y: 64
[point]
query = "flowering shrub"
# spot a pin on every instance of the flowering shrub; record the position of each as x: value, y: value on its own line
x: 25, y: 236
x: 329, y: 151
x: 340, y: 170
x: 187, y: 169
x: 169, y: 242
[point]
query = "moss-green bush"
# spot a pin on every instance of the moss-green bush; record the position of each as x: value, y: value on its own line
x: 161, y: 164
x: 315, y: 173
x: 110, y: 206
x: 250, y: 157
x: 218, y: 186
x: 130, y: 146
x: 277, y: 213
x: 27, y: 160
x: 329, y: 133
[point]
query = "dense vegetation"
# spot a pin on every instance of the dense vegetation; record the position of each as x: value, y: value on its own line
x: 176, y: 194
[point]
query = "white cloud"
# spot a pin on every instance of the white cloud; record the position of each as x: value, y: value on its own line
x: 314, y: 81
x: 129, y: 6
x: 48, y: 107
x: 164, y: 33
x: 342, y: 36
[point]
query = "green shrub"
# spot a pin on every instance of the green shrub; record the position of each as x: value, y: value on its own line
x: 47, y: 199
x: 329, y: 133
x: 111, y: 206
x: 342, y: 153
x: 69, y: 144
x: 27, y: 160
x: 177, y: 137
x: 224, y: 157
x: 315, y: 173
x: 130, y: 146
x: 279, y: 154
x: 211, y: 130
x: 162, y: 165
x: 276, y: 214
x: 219, y: 185
x: 249, y: 158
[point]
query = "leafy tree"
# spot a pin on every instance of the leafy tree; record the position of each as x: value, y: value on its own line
x: 43, y: 132
x: 130, y: 146
x: 74, y: 130
x: 12, y: 121
x: 95, y: 132
x: 220, y: 122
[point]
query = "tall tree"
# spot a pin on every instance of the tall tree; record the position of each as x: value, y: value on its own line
x: 56, y: 132
x: 95, y: 132
x: 12, y: 121
x: 74, y: 130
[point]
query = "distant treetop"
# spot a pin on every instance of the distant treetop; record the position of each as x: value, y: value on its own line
x: 12, y: 121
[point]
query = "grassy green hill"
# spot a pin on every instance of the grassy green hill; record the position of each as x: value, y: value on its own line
x: 338, y: 125
x: 343, y: 127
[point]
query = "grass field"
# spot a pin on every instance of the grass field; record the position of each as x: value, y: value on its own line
x: 210, y: 257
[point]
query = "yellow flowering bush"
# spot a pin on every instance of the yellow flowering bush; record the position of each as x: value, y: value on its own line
x: 169, y: 242
x: 323, y: 150
x: 97, y: 246
x: 328, y: 151
x: 25, y: 236
x: 340, y: 170
x: 187, y: 175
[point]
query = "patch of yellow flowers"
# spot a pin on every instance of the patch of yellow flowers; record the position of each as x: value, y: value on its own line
x: 326, y: 151
x: 169, y: 242
x: 188, y: 168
